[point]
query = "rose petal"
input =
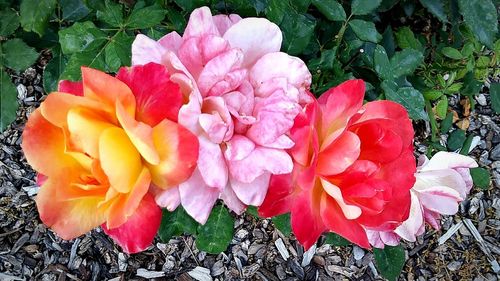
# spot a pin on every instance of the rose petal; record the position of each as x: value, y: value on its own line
x: 146, y: 50
x: 252, y: 193
x: 197, y: 197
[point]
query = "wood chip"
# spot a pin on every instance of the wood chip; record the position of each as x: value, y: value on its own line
x: 144, y: 273
x: 308, y: 255
x: 494, y: 263
x: 201, y: 274
x: 450, y: 233
x: 281, y: 248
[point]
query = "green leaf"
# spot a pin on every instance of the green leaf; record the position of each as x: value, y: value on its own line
x: 73, y: 10
x: 405, y: 62
x: 495, y: 96
x: 436, y: 7
x: 381, y: 63
x: 408, y: 97
x: 76, y: 61
x: 480, y: 177
x: 297, y: 32
x: 481, y: 17
x: 282, y: 223
x: 406, y: 39
x: 325, y: 62
x: 112, y: 14
x: 216, y: 234
x: 456, y: 140
x: 433, y: 95
x: 390, y: 261
x: 189, y: 5
x: 276, y: 10
x: 9, y: 21
x: 331, y: 9
x: 446, y: 123
x: 53, y: 71
x: 81, y: 36
x: 176, y: 223
x: 365, y: 30
x: 252, y: 210
x: 336, y: 240
x: 364, y: 7
x: 146, y: 17
x: 471, y: 85
x: 8, y: 101
x: 18, y: 55
x: 118, y: 52
x: 442, y: 107
x: 467, y: 144
x: 452, y: 53
x: 35, y: 14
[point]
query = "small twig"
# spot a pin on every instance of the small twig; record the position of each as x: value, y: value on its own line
x: 192, y: 254
x: 9, y: 232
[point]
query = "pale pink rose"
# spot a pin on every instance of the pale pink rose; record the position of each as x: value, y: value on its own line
x: 441, y: 184
x: 241, y: 96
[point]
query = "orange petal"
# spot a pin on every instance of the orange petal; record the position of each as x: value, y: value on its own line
x: 120, y: 160
x: 85, y: 127
x: 178, y: 150
x: 56, y: 106
x: 43, y: 145
x: 125, y: 205
x: 107, y: 89
x: 339, y: 155
x: 69, y: 219
x: 139, y: 133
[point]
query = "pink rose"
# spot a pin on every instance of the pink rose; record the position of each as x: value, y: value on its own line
x: 241, y: 96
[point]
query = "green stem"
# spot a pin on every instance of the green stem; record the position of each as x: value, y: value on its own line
x: 432, y: 120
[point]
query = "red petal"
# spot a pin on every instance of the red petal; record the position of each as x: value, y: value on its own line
x: 140, y: 229
x: 156, y: 95
x: 278, y: 199
x: 70, y: 87
x: 336, y: 222
x: 339, y: 155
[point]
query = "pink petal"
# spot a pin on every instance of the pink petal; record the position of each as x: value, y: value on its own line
x: 171, y: 42
x: 211, y: 164
x: 145, y: 50
x: 280, y: 65
x: 449, y: 160
x: 238, y: 148
x: 196, y: 52
x: 200, y: 23
x: 169, y: 198
x: 197, y: 197
x: 412, y: 227
x: 259, y: 161
x: 255, y: 37
x: 232, y: 201
x: 440, y: 199
x: 282, y: 142
x: 446, y: 177
x: 138, y: 232
x: 224, y: 22
x: 252, y: 193
x: 216, y: 120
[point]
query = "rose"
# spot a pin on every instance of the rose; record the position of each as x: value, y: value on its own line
x: 241, y: 95
x: 353, y: 168
x: 441, y: 184
x: 99, y: 145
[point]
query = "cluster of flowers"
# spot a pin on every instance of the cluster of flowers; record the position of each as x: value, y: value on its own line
x: 221, y: 113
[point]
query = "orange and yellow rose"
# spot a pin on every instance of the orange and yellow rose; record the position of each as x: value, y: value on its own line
x: 100, y: 145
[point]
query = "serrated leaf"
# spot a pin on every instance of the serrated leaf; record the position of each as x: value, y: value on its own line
x: 456, y: 139
x: 442, y: 107
x: 481, y: 17
x: 336, y: 240
x: 118, y: 51
x: 405, y: 62
x: 495, y: 96
x: 146, y: 17
x: 18, y: 55
x: 216, y: 234
x: 297, y: 32
x: 81, y: 36
x: 8, y: 101
x: 35, y: 14
x: 467, y: 144
x: 331, y: 9
x: 408, y: 97
x: 53, y: 71
x: 282, y: 223
x: 406, y: 39
x: 365, y: 30
x: 480, y: 177
x: 176, y: 223
x: 112, y: 14
x: 436, y: 7
x: 73, y: 10
x: 452, y: 53
x: 76, y: 61
x: 390, y: 261
x: 364, y: 7
x: 381, y: 63
x: 9, y: 22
